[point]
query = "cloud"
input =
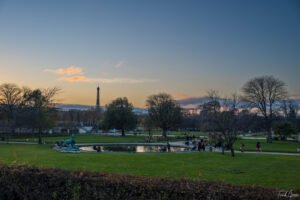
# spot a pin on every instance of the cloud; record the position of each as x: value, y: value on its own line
x: 120, y: 64
x: 71, y: 70
x: 295, y: 96
x: 193, y: 101
x: 180, y: 96
x: 74, y: 78
x: 103, y: 80
x: 75, y: 74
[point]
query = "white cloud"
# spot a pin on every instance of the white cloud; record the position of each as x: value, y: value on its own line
x: 120, y: 64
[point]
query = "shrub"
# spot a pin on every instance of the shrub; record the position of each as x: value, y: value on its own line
x: 21, y: 182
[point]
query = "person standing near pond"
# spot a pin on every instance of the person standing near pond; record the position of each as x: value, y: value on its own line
x: 168, y: 147
x: 242, y: 147
x: 258, y: 147
x: 199, y: 146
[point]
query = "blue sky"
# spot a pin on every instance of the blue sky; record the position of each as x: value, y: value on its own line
x: 138, y: 48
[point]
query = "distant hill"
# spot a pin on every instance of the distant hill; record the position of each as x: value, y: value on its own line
x: 185, y: 103
x: 67, y: 107
x: 196, y: 101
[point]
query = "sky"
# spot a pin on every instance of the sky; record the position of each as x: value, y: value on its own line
x: 136, y: 48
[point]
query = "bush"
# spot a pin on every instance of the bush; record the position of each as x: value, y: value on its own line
x: 284, y: 129
x: 21, y: 182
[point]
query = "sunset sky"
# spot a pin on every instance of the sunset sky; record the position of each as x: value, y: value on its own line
x: 142, y: 47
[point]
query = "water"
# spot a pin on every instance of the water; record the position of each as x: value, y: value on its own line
x: 132, y: 149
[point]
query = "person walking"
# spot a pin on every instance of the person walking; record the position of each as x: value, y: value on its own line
x: 258, y: 147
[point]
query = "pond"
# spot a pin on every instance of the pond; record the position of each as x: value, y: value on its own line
x: 132, y: 148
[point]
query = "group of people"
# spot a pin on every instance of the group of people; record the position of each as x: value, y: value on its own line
x: 258, y: 147
x: 201, y: 145
x: 197, y: 145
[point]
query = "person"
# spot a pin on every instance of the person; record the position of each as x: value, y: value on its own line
x: 187, y: 140
x: 242, y: 147
x: 193, y: 137
x: 168, y: 147
x: 258, y: 147
x: 203, y: 145
x: 199, y: 146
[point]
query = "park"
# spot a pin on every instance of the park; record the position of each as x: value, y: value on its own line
x: 219, y: 154
x: 149, y: 100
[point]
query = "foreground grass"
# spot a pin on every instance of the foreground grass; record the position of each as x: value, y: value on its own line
x: 263, y: 170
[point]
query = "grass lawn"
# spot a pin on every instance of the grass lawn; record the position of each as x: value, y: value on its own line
x: 85, y: 139
x: 89, y: 139
x: 181, y: 133
x: 264, y: 170
x: 276, y: 146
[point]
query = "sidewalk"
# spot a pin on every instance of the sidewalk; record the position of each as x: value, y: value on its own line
x: 237, y: 151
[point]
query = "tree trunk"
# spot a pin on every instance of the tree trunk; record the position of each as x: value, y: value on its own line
x: 232, y: 151
x: 40, y: 136
x: 269, y: 132
x: 150, y: 135
x: 223, y: 149
x: 123, y: 132
x: 164, y: 133
x: 269, y: 137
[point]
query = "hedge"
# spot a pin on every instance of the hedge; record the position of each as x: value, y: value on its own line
x: 23, y: 182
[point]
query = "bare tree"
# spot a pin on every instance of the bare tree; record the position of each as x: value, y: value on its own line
x: 221, y: 116
x: 263, y: 93
x: 10, y: 99
x: 164, y: 112
x: 290, y: 109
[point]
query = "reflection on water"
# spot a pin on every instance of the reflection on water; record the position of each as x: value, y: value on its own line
x: 133, y: 149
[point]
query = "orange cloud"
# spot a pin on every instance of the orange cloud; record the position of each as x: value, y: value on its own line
x: 181, y: 96
x: 103, y: 80
x: 76, y: 74
x: 71, y: 70
x: 74, y: 79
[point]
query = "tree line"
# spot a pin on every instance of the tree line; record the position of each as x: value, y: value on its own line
x: 28, y: 108
x: 263, y: 105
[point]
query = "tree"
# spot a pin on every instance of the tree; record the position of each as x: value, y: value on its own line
x: 284, y: 129
x: 40, y: 104
x: 148, y: 125
x: 10, y: 99
x: 290, y: 109
x: 119, y: 114
x: 220, y: 115
x: 164, y: 112
x: 262, y: 93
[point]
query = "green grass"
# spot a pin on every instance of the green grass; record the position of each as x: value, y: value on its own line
x: 264, y: 170
x: 181, y: 133
x: 85, y: 139
x: 276, y: 146
x: 88, y: 139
